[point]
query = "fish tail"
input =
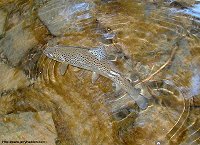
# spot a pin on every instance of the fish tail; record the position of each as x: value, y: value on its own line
x: 142, y: 102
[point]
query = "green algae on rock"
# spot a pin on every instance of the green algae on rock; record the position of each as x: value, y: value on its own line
x: 3, y: 16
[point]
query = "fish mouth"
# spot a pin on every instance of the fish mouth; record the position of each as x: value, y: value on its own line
x: 45, y: 52
x: 49, y: 55
x: 48, y: 52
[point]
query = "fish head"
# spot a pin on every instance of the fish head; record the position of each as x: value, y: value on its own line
x: 54, y: 53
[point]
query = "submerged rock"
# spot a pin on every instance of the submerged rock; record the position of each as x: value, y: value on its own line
x: 16, y: 43
x: 65, y: 16
x: 7, y: 103
x: 14, y: 78
x: 3, y: 16
x: 36, y: 128
x: 189, y: 2
x: 179, y: 5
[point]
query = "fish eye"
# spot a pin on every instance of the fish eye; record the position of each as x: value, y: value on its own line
x: 50, y: 55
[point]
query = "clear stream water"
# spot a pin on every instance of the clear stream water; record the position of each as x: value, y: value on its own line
x: 156, y: 44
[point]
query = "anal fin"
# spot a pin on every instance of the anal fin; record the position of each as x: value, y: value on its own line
x: 117, y: 87
x: 95, y: 76
x: 63, y: 68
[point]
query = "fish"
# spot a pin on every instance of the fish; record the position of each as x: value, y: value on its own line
x: 95, y: 60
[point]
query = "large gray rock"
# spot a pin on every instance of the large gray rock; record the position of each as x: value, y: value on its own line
x: 16, y: 43
x: 11, y: 78
x: 28, y: 126
x: 63, y: 16
x: 3, y: 16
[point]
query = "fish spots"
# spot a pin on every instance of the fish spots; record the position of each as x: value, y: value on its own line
x: 61, y: 58
x: 99, y: 52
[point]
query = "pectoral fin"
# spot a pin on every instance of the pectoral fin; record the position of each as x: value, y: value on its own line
x: 95, y: 76
x: 117, y: 87
x: 63, y: 68
x: 112, y: 58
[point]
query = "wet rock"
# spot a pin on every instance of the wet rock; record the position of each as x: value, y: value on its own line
x: 7, y: 103
x: 107, y: 1
x: 181, y: 56
x: 197, y: 1
x: 3, y: 16
x: 28, y: 126
x: 65, y: 16
x: 40, y: 2
x: 16, y: 43
x: 189, y: 2
x: 179, y: 5
x: 14, y: 78
x: 152, y: 123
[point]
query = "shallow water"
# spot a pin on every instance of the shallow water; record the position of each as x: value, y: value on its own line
x: 157, y: 47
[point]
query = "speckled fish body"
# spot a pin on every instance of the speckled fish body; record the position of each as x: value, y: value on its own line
x: 94, y: 60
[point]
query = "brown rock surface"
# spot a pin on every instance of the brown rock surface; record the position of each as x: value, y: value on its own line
x: 3, y: 16
x: 28, y: 126
x: 16, y: 43
x: 11, y: 78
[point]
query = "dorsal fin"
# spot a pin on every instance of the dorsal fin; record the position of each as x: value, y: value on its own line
x: 99, y: 52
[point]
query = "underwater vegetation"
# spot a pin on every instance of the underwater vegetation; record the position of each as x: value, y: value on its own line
x: 147, y: 54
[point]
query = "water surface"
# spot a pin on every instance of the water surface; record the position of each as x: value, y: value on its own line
x: 156, y: 45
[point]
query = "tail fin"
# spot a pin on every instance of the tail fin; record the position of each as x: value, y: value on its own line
x: 142, y: 102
